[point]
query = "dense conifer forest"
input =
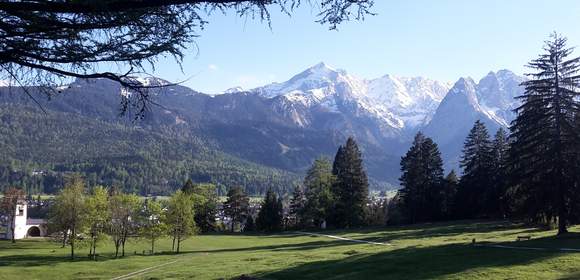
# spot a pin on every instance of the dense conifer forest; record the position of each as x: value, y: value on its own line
x: 39, y: 149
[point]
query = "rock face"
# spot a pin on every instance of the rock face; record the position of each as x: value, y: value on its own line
x: 286, y: 125
x: 491, y: 101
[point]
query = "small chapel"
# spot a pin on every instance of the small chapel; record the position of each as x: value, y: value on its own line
x: 24, y: 227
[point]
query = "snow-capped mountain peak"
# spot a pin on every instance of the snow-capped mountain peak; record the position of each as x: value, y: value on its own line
x: 496, y: 93
x: 399, y: 102
x: 413, y: 99
x: 464, y: 91
x: 234, y: 90
x: 315, y: 78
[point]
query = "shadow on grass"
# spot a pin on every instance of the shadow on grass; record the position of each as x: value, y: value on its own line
x: 304, y: 246
x: 410, y: 263
x: 30, y: 260
x: 27, y: 260
x: 569, y: 240
x: 442, y: 229
x: 571, y: 276
x: 23, y: 245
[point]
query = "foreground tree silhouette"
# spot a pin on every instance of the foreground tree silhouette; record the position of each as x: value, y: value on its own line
x: 544, y: 152
x: 46, y: 42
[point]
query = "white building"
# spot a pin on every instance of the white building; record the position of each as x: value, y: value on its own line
x: 24, y: 227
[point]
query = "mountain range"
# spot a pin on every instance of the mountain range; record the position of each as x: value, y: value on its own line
x: 284, y: 126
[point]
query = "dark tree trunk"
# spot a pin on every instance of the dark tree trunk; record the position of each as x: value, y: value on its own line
x: 123, y: 248
x: 117, y: 244
x: 173, y: 245
x: 95, y: 249
x: 64, y: 237
x: 562, y: 212
x: 13, y: 229
x: 72, y: 244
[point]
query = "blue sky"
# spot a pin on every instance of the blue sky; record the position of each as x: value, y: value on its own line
x: 443, y: 39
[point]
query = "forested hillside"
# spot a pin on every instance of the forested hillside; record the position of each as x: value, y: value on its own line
x: 39, y: 148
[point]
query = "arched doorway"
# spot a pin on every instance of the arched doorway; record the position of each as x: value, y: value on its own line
x: 33, y: 232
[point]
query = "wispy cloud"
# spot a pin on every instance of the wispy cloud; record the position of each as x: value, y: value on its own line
x: 212, y: 67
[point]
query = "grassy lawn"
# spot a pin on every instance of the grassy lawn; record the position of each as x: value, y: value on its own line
x: 436, y: 251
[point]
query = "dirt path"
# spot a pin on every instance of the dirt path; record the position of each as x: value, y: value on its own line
x: 143, y: 271
x: 343, y: 238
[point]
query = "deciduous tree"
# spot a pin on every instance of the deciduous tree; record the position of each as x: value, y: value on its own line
x: 152, y: 222
x: 98, y: 216
x: 180, y: 218
x: 320, y: 200
x: 124, y: 209
x: 69, y: 211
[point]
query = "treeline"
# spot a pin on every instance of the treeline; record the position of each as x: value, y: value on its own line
x: 78, y: 217
x: 332, y: 195
x: 533, y: 173
x: 39, y: 150
x: 428, y: 195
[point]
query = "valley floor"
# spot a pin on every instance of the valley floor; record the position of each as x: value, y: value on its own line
x: 431, y: 251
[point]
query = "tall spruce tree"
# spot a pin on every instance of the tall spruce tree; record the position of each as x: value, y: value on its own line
x: 270, y: 215
x: 529, y: 194
x: 475, y: 184
x: 298, y: 207
x: 575, y: 205
x: 495, y: 200
x: 351, y: 186
x: 544, y: 152
x: 421, y: 181
x: 450, y: 185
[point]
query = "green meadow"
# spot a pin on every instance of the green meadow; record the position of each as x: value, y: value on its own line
x: 428, y: 251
